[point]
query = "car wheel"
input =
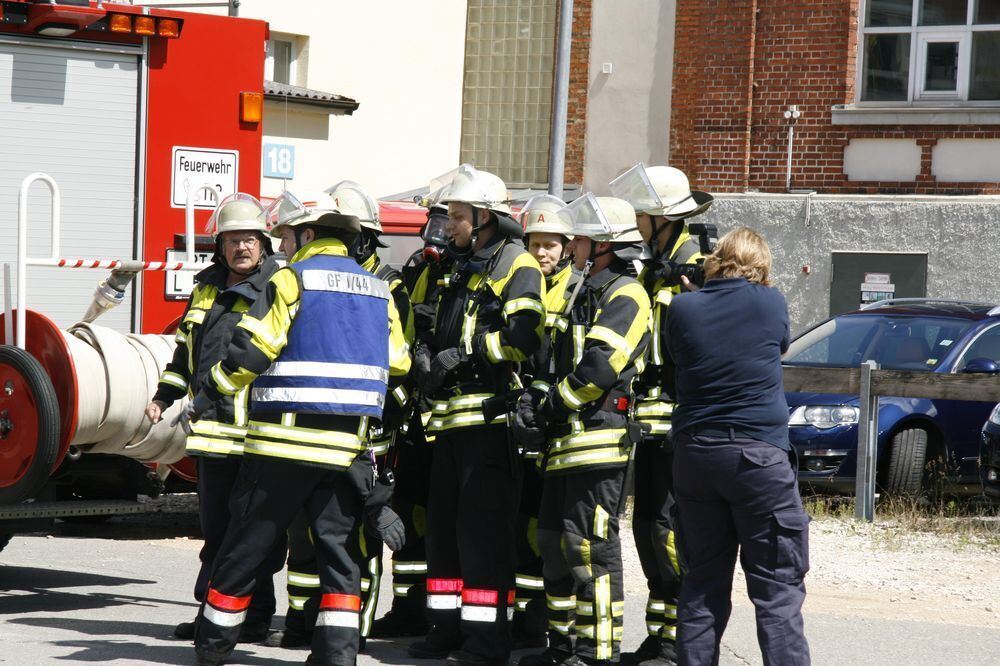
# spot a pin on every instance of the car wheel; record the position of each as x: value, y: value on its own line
x: 905, y: 473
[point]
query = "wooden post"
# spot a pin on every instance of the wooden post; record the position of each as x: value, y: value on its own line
x: 864, y: 492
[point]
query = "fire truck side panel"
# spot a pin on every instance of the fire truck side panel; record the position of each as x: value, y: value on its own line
x: 194, y: 101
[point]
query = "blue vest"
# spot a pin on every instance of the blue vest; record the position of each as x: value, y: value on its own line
x: 337, y: 357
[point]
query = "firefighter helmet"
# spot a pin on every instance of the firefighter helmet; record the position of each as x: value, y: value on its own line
x: 353, y: 199
x: 603, y: 219
x: 660, y: 190
x: 237, y: 212
x: 318, y: 208
x: 544, y: 214
x: 466, y: 184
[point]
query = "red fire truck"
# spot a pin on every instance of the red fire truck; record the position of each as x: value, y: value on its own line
x: 126, y: 108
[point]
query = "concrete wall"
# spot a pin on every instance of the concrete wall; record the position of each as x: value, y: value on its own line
x: 957, y: 233
x: 628, y: 110
x: 403, y: 61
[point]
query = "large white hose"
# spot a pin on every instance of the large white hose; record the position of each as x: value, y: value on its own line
x: 116, y: 378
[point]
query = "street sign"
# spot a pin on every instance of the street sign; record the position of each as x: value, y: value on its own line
x: 194, y: 166
x: 279, y: 161
x: 180, y: 284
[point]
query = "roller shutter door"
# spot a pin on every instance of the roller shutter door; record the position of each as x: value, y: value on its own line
x: 70, y: 113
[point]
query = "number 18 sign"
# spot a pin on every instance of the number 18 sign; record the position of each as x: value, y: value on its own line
x: 279, y: 160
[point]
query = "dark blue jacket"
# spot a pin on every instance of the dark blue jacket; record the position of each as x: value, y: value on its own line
x: 726, y: 341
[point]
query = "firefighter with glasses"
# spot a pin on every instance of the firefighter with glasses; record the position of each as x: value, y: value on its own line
x: 319, y: 346
x: 587, y: 419
x: 663, y: 201
x: 241, y: 267
x: 546, y: 236
x: 424, y: 276
x: 489, y: 317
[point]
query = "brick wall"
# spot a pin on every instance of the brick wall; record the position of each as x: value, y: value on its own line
x: 738, y: 64
x: 579, y: 72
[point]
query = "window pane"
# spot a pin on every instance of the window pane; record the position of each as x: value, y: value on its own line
x: 887, y: 68
x: 282, y: 61
x: 882, y: 13
x: 985, y: 82
x: 941, y: 71
x: 943, y: 12
x: 987, y: 11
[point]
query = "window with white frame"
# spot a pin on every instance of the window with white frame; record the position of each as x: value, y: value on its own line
x: 279, y: 62
x: 944, y: 51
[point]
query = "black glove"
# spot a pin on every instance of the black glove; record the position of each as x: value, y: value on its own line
x: 446, y: 361
x: 529, y: 426
x: 422, y: 358
x: 192, y: 411
x: 388, y: 526
x: 552, y: 408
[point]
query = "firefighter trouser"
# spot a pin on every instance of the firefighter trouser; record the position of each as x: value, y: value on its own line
x: 303, y: 575
x: 470, y: 539
x: 267, y: 496
x: 529, y: 601
x: 216, y: 478
x: 578, y: 536
x: 412, y: 468
x: 653, y: 529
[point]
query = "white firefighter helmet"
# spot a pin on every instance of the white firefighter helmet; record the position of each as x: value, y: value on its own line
x: 316, y: 208
x: 351, y: 198
x: 603, y: 219
x: 660, y: 190
x: 466, y: 184
x: 544, y: 214
x: 237, y: 212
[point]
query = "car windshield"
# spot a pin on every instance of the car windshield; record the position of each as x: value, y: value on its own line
x: 894, y: 342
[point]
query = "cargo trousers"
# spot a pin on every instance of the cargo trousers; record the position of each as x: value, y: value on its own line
x: 739, y: 495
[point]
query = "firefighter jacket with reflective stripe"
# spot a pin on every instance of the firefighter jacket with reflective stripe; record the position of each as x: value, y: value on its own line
x: 397, y: 406
x: 492, y: 308
x: 654, y: 404
x: 427, y: 281
x: 202, y: 341
x: 594, y: 362
x: 321, y: 364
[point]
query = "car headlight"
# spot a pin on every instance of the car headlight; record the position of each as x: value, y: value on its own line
x: 824, y: 416
x: 995, y: 415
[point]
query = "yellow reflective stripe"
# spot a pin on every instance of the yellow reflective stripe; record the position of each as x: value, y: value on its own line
x: 603, y: 456
x: 670, y: 611
x: 655, y: 352
x: 622, y: 348
x: 560, y: 603
x: 379, y: 447
x: 400, y: 590
x: 274, y: 340
x: 409, y: 567
x: 173, y: 379
x: 493, y: 347
x: 401, y: 394
x: 196, y: 316
x: 198, y: 444
x: 600, y: 523
x: 584, y: 608
x: 617, y: 608
x: 563, y: 628
x: 569, y: 396
x: 541, y: 385
x: 312, y: 454
x: 240, y: 406
x: 222, y: 382
x: 308, y: 435
x: 672, y: 556
x: 529, y: 582
x: 518, y: 304
x: 297, y: 603
x: 579, y: 334
x: 602, y: 603
x: 654, y: 629
x: 180, y: 337
x: 303, y: 579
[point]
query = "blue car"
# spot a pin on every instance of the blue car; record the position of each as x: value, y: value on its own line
x: 920, y: 442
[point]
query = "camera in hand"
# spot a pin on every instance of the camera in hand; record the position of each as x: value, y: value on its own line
x: 671, y: 272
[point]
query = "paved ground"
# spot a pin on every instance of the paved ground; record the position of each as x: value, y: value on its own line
x: 113, y: 593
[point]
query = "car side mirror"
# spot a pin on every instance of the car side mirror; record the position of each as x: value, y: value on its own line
x: 982, y: 365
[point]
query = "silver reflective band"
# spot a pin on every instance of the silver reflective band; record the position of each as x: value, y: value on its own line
x: 345, y: 283
x: 223, y: 619
x: 479, y: 613
x: 337, y: 619
x: 328, y: 370
x: 320, y: 395
x: 444, y: 601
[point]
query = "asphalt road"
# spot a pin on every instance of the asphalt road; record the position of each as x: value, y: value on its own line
x: 113, y: 593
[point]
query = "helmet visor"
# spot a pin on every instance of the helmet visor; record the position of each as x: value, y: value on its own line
x: 634, y: 187
x: 347, y: 192
x: 434, y: 231
x: 587, y: 219
x: 284, y: 209
x: 213, y: 222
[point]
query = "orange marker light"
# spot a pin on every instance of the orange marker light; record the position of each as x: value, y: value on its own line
x: 168, y: 28
x: 145, y: 25
x: 119, y: 23
x: 251, y: 107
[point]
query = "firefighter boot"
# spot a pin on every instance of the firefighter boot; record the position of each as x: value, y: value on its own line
x: 463, y: 658
x: 577, y: 660
x: 406, y: 617
x: 666, y: 657
x: 529, y: 627
x: 288, y: 638
x: 438, y: 644
x: 550, y: 657
x: 647, y: 650
x: 185, y: 631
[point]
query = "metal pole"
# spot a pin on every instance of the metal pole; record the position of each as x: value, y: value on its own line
x: 557, y: 136
x: 234, y: 7
x: 864, y: 491
x: 22, y: 244
x: 189, y: 216
x: 8, y: 308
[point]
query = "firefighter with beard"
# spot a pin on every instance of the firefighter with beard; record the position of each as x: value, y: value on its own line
x: 663, y: 200
x: 319, y: 345
x: 546, y: 237
x: 241, y: 267
x: 303, y: 577
x: 489, y: 317
x: 424, y: 277
x: 586, y: 417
